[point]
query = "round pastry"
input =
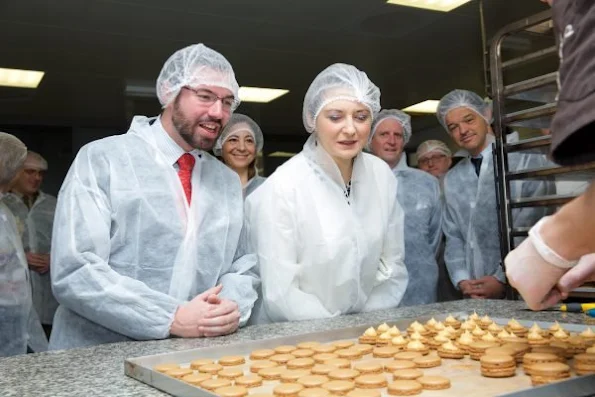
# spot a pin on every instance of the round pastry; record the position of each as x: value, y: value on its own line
x: 272, y: 373
x: 339, y: 387
x: 397, y: 365
x: 434, y: 382
x: 531, y: 359
x: 292, y: 375
x: 535, y: 338
x: 364, y: 393
x: 591, y: 350
x: 249, y: 381
x: 313, y: 392
x: 474, y: 316
x: 555, y: 327
x: 584, y: 363
x: 371, y: 381
x: 343, y: 344
x: 311, y: 381
x: 302, y: 353
x: 485, y: 322
x: 383, y: 328
x: 417, y: 347
x: 349, y: 354
x: 287, y: 389
x: 501, y: 350
x: 163, y: 368
x: 394, y: 331
x: 478, y: 332
x: 576, y: 345
x: 200, y: 362
x: 369, y: 367
x: 300, y: 363
x: 488, y: 337
x: 322, y: 357
x: 231, y: 391
x: 343, y: 374
x: 427, y: 361
x: 307, y: 345
x: 321, y: 349
x: 210, y: 368
x: 404, y: 388
x: 229, y: 361
x: 196, y: 379
x: 230, y: 373
x: 438, y: 341
x: 564, y: 347
x: 385, y: 352
x: 322, y: 369
x: 468, y: 325
x: 212, y: 384
x: 365, y: 349
x: 261, y: 395
x: 417, y: 327
x: 339, y: 362
x: 256, y: 366
x: 494, y: 329
x: 285, y: 349
x: 408, y: 374
x: 439, y: 326
x: 560, y: 335
x: 451, y: 321
x: 544, y: 373
x: 417, y: 336
x: 497, y: 366
x: 477, y: 349
x: 399, y: 342
x: 431, y: 323
x: 450, y: 350
x: 282, y: 358
x: 558, y: 351
x: 517, y: 328
x: 369, y: 336
x: 179, y: 373
x: 464, y: 341
x: 589, y: 336
x: 262, y: 354
x: 408, y: 355
x: 384, y: 339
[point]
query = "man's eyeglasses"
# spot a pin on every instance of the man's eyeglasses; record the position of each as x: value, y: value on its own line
x: 209, y: 98
x: 426, y: 160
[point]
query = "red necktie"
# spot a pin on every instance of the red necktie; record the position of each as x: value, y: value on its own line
x: 185, y: 164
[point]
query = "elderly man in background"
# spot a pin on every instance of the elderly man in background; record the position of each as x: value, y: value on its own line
x: 434, y: 157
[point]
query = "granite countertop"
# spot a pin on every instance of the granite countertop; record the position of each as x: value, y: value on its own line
x: 100, y: 370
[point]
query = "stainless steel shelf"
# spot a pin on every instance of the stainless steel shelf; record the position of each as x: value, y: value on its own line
x: 536, y: 117
x: 520, y: 231
x: 534, y: 56
x: 548, y: 171
x: 541, y: 89
x: 531, y: 143
x: 542, y: 201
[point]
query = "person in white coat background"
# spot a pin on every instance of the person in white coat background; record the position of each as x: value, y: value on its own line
x: 419, y: 196
x: 327, y: 225
x: 470, y: 220
x: 148, y: 237
x: 34, y: 210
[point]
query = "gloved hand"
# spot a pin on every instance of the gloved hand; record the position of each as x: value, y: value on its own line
x: 533, y: 276
x: 187, y: 317
x: 584, y: 271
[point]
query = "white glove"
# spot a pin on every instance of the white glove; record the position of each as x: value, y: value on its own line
x: 584, y: 271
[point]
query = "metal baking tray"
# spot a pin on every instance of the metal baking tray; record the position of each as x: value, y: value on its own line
x: 141, y: 368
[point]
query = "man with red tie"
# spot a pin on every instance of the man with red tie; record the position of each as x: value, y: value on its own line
x: 148, y: 236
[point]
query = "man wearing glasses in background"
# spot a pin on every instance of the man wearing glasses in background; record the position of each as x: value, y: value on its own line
x: 148, y: 238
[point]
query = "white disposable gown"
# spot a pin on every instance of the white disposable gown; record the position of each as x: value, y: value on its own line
x: 127, y: 247
x: 322, y: 254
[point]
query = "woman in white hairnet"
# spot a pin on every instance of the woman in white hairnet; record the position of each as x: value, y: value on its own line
x: 35, y: 210
x: 419, y: 196
x: 470, y: 223
x: 19, y: 324
x: 434, y: 157
x: 148, y: 237
x: 327, y: 226
x: 238, y: 145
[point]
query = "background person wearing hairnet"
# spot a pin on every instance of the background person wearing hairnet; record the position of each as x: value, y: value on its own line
x: 326, y: 225
x: 148, y: 236
x: 19, y: 324
x: 559, y: 254
x: 470, y: 223
x: 238, y: 145
x: 434, y: 157
x: 35, y: 209
x: 419, y: 196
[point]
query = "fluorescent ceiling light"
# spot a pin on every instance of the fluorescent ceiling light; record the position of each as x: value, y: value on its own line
x: 20, y: 78
x: 281, y: 154
x: 261, y: 95
x: 435, y: 5
x: 428, y: 106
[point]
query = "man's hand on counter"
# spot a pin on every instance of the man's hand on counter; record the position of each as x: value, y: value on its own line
x: 188, y: 316
x: 222, y: 319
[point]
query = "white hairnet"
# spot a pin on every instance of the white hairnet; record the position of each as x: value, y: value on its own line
x: 462, y: 98
x: 35, y: 161
x: 430, y: 146
x: 13, y: 153
x: 193, y: 66
x: 239, y: 122
x: 403, y: 118
x: 339, y: 81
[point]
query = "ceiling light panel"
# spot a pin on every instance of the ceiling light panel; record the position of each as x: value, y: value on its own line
x: 434, y: 5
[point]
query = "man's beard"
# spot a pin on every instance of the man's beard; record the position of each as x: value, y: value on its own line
x: 186, y: 127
